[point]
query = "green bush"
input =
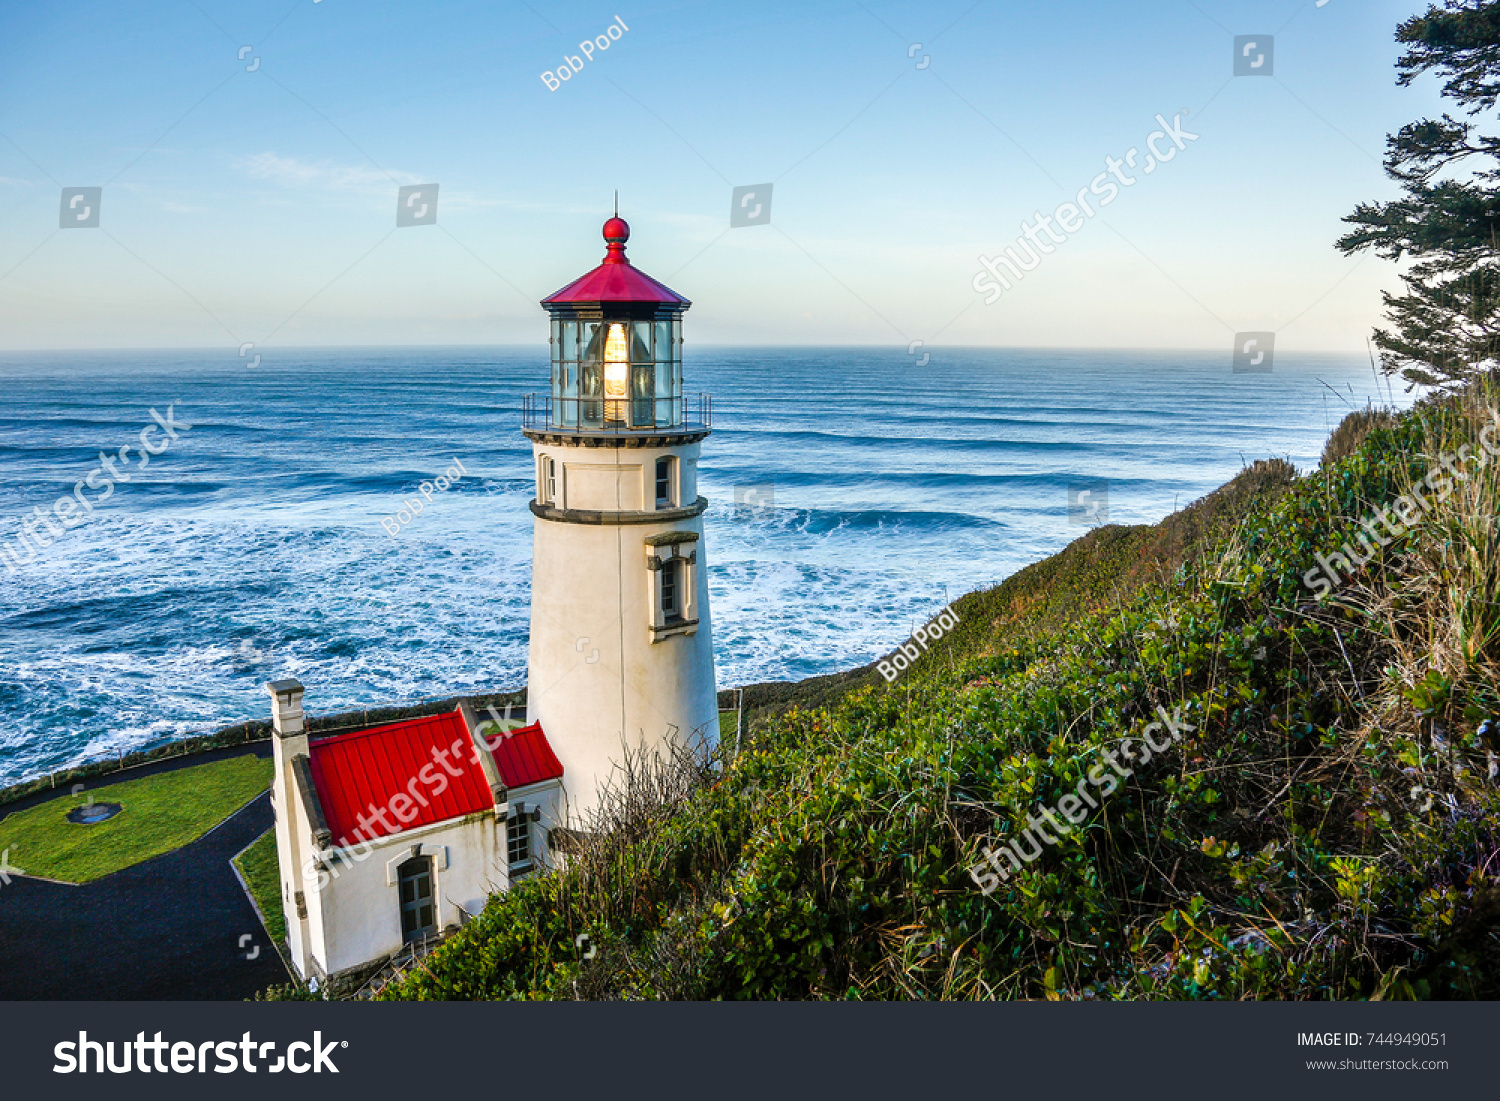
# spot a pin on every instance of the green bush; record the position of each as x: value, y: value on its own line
x: 1326, y: 831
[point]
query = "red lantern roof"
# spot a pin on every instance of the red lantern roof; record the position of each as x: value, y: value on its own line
x: 616, y: 280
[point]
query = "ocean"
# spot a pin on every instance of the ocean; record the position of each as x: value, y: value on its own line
x: 873, y: 488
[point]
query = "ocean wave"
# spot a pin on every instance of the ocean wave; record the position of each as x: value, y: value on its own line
x: 254, y: 550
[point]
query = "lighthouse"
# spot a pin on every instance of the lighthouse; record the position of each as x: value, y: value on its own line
x: 621, y: 654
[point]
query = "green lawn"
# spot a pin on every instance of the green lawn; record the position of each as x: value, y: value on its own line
x: 160, y: 813
x: 258, y: 865
x: 728, y: 724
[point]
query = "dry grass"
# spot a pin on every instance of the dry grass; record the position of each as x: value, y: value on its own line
x: 617, y: 870
x: 1436, y: 609
x: 1439, y: 608
x: 1351, y: 432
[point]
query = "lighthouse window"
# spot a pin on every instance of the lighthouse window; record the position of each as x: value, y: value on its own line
x: 640, y: 347
x: 671, y: 598
x: 591, y: 381
x: 642, y: 393
x: 665, y: 497
x: 548, y: 480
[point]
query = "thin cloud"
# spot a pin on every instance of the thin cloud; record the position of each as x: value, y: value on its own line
x: 325, y: 175
x: 293, y: 172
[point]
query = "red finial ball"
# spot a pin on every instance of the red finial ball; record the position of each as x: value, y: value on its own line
x: 616, y: 231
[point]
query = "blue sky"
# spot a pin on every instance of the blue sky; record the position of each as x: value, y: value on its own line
x: 259, y: 206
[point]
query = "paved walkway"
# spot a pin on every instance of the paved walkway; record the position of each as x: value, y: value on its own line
x: 169, y: 928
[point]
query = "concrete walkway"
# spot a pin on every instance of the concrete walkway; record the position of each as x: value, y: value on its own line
x: 169, y: 928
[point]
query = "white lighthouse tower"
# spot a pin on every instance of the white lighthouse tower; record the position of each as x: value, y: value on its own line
x: 621, y: 645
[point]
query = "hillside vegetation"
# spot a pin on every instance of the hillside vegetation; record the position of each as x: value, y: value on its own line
x: 1326, y: 829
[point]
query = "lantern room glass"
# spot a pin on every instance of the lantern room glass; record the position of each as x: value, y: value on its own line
x: 616, y: 373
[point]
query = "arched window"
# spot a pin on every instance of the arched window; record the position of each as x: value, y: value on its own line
x: 418, y: 917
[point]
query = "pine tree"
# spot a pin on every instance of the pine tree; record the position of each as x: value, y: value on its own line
x: 1445, y: 330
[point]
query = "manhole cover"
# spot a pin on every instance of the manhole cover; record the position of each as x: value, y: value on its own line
x: 90, y: 813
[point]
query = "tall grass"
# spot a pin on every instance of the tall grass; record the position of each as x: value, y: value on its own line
x: 1324, y: 832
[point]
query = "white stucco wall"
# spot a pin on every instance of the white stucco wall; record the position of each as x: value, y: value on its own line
x: 617, y: 478
x: 290, y: 845
x: 598, y: 679
x: 354, y: 903
x: 358, y: 903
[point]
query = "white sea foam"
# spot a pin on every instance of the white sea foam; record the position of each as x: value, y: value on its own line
x: 257, y: 551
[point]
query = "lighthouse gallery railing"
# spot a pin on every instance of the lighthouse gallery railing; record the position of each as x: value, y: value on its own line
x: 615, y: 414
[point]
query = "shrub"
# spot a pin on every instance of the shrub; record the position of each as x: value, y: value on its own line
x: 1351, y: 432
x: 1325, y: 831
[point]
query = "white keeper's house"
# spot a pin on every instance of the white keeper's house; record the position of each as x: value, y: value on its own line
x: 389, y: 836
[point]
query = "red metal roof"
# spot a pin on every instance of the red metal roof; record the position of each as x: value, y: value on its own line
x: 616, y: 279
x: 524, y: 757
x: 372, y: 768
x: 383, y: 769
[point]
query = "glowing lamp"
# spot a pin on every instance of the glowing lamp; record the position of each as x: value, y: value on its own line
x: 616, y: 374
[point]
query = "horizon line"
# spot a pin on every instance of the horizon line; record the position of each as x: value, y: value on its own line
x: 218, y: 349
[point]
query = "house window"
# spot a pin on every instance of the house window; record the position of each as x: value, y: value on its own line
x: 666, y: 495
x: 518, y: 842
x: 418, y: 916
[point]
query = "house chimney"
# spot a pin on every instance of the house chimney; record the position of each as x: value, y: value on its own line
x: 293, y: 842
x: 287, y: 710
